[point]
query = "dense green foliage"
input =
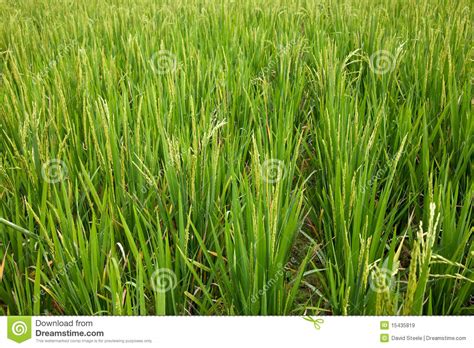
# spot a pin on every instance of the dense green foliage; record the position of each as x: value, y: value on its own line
x: 236, y: 157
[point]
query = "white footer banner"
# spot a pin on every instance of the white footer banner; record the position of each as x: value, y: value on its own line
x: 236, y: 331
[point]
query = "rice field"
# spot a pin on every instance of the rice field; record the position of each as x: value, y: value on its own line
x: 251, y: 157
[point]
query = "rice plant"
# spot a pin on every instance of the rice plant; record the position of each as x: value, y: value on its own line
x: 259, y: 157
